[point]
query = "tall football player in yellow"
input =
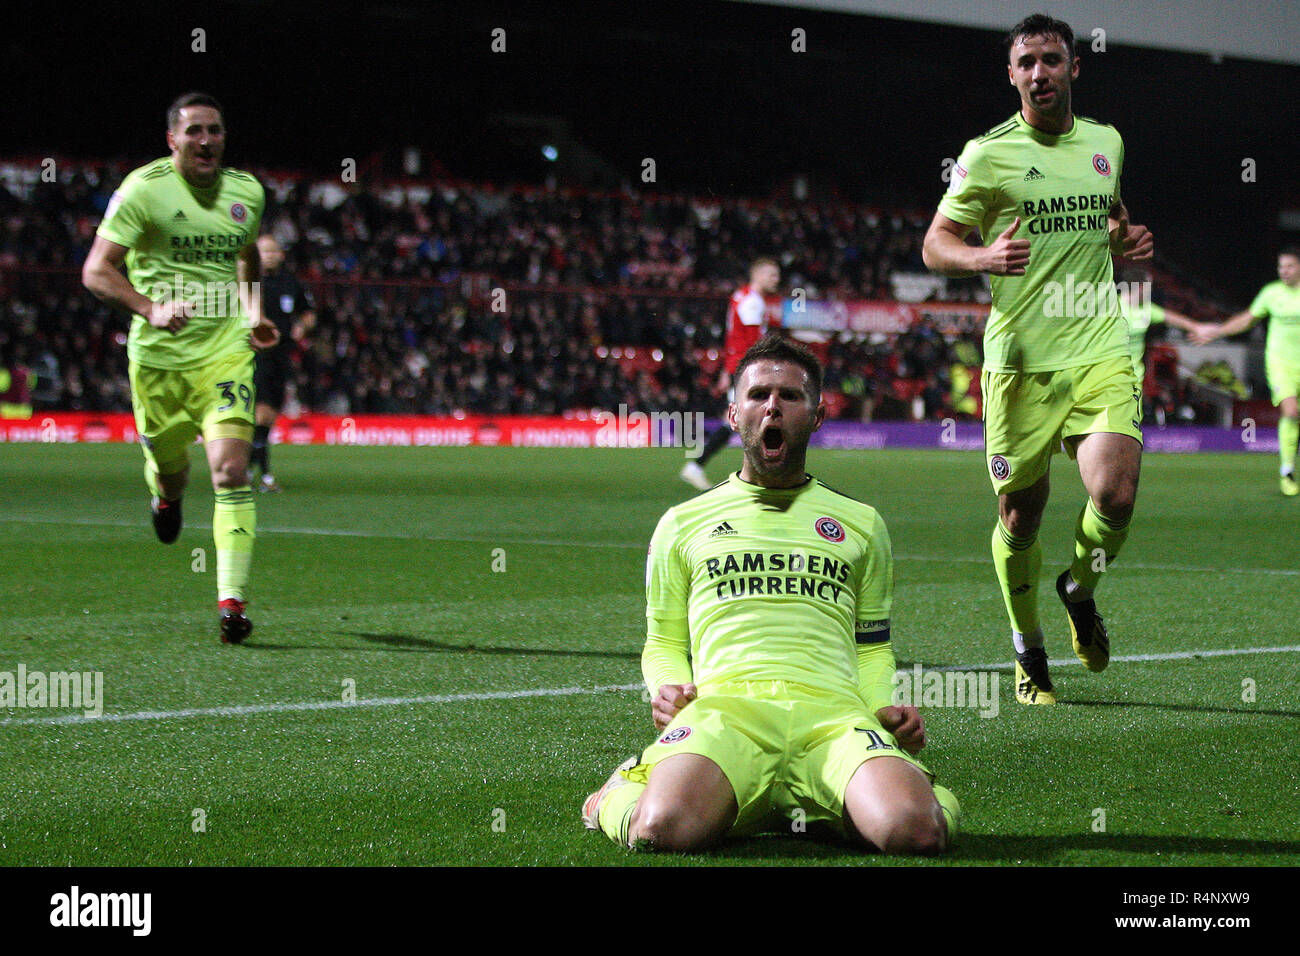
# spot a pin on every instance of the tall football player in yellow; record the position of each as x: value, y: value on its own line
x: 186, y: 230
x: 768, y: 653
x: 1043, y: 188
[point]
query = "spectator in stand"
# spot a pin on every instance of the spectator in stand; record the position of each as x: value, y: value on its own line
x: 645, y: 273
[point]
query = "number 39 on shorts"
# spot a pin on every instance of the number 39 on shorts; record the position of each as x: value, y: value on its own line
x: 227, y: 390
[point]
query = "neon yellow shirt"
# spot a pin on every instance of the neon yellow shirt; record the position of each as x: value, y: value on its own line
x: 1280, y: 304
x: 770, y: 584
x: 1063, y: 312
x: 184, y: 243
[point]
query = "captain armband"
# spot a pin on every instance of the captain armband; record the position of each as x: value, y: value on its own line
x: 871, y: 632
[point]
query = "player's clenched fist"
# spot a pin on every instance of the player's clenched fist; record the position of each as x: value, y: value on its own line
x: 1132, y: 241
x: 264, y: 335
x: 171, y: 315
x: 1006, y: 255
x: 669, y: 700
x: 906, y: 725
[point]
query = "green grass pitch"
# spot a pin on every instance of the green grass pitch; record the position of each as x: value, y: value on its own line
x: 489, y: 701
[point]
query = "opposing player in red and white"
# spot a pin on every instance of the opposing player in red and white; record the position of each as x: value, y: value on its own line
x: 754, y: 310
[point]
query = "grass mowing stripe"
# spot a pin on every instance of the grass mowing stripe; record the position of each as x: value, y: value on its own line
x: 290, y: 707
x: 622, y: 545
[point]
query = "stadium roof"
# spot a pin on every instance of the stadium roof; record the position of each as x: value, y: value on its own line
x: 1266, y: 30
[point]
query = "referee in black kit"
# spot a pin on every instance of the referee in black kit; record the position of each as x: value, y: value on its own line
x: 286, y: 303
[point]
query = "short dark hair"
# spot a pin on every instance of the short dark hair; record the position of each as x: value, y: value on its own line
x: 1040, y: 25
x: 1289, y: 251
x: 191, y: 99
x: 774, y: 347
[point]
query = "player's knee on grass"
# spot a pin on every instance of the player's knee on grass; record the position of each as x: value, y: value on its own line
x: 671, y: 829
x: 891, y: 805
x: 908, y: 827
x: 687, y: 805
x: 917, y: 831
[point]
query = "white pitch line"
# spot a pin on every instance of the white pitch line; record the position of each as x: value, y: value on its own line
x: 622, y: 545
x: 349, y: 533
x: 1132, y: 658
x: 308, y: 705
x: 1120, y: 565
x: 313, y: 705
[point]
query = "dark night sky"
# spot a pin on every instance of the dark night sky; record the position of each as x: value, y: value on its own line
x: 710, y: 90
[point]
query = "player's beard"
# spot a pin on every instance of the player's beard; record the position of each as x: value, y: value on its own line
x: 1057, y: 108
x: 201, y: 172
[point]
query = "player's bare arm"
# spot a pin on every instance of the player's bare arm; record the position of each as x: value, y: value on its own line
x: 1188, y: 325
x: 264, y: 333
x: 945, y: 250
x: 1127, y: 239
x: 102, y: 276
x: 1207, y: 332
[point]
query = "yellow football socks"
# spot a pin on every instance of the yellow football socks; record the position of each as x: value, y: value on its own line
x: 234, y: 526
x: 1097, y: 541
x: 1288, y: 434
x: 615, y: 814
x: 1018, y: 561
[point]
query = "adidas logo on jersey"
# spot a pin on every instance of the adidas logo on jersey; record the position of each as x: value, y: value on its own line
x: 1033, y: 175
x: 723, y: 530
x: 180, y: 216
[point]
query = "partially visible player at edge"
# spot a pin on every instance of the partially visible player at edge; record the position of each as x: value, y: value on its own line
x: 1043, y: 188
x: 1141, y: 313
x: 1279, y: 302
x: 768, y: 653
x: 286, y: 303
x: 754, y: 309
x: 186, y: 228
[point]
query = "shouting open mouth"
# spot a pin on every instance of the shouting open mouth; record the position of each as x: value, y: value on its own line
x: 773, y: 446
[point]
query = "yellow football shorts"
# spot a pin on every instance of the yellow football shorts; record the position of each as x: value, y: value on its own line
x: 783, y: 747
x: 172, y: 406
x: 1283, y: 379
x: 1028, y: 415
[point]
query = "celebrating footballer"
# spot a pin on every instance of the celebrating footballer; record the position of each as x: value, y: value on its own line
x: 186, y: 230
x: 768, y: 653
x: 1043, y: 189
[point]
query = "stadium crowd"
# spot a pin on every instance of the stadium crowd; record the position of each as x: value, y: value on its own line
x: 409, y: 319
